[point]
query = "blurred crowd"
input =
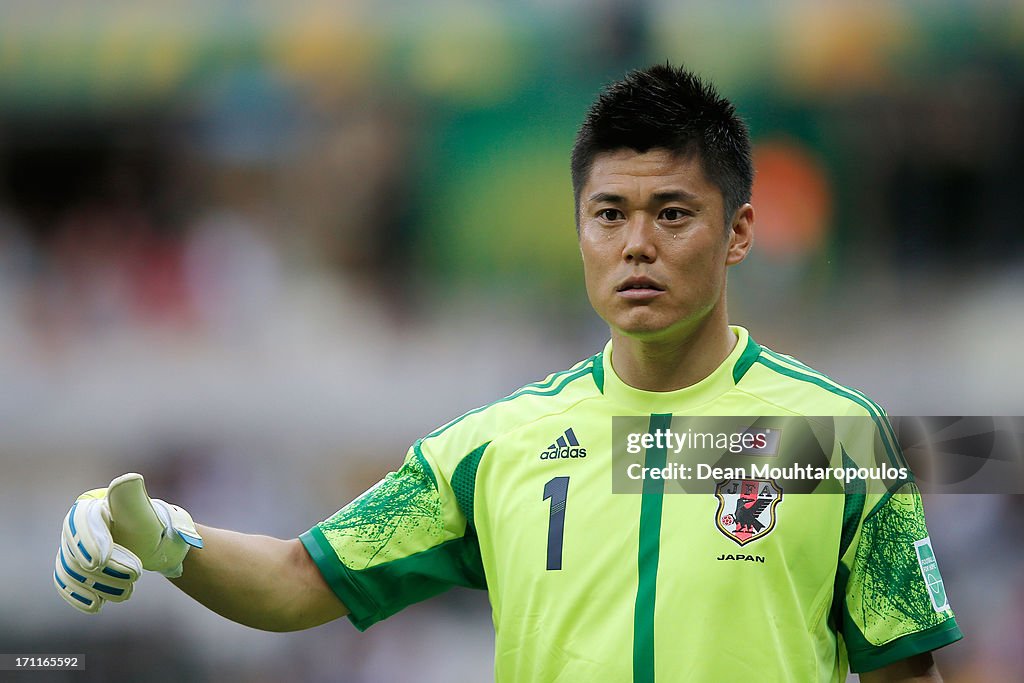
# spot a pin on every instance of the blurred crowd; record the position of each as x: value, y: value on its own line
x: 255, y: 255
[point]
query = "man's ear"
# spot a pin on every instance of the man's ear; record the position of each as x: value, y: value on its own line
x: 741, y: 235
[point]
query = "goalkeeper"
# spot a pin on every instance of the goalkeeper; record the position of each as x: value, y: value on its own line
x: 749, y: 583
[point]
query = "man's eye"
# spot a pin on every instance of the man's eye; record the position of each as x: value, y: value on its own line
x: 673, y: 214
x: 609, y: 214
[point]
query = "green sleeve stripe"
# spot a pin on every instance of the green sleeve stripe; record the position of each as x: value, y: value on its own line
x: 841, y: 392
x: 423, y: 462
x: 853, y: 507
x: 393, y: 586
x: 566, y: 376
x: 746, y: 360
x: 599, y: 371
x: 877, y: 408
x: 811, y: 371
x: 795, y: 369
x: 792, y: 361
x: 464, y: 482
x: 909, y: 645
x: 649, y: 550
x: 338, y: 576
x: 382, y: 590
x: 550, y: 381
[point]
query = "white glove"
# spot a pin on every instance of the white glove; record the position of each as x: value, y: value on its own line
x: 110, y: 535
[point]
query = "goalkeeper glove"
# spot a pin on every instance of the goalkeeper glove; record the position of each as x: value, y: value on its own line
x: 110, y: 535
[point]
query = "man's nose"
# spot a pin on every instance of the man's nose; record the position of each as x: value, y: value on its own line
x: 639, y: 246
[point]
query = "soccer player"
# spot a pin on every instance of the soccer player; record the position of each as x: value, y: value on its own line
x: 746, y: 583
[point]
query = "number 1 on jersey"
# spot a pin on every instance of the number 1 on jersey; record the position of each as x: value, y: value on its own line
x: 557, y: 490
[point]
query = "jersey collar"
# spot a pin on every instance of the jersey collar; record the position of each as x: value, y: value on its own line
x: 708, y: 389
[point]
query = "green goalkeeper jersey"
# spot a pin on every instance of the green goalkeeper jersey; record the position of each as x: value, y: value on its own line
x: 585, y: 584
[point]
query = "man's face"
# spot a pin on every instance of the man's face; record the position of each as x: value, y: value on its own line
x: 654, y: 242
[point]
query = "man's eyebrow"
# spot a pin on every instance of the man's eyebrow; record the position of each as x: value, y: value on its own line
x: 667, y: 196
x: 602, y: 197
x: 675, y: 196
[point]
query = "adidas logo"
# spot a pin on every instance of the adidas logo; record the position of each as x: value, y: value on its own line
x: 566, y: 446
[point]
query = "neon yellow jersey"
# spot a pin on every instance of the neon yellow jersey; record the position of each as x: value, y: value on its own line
x: 586, y: 585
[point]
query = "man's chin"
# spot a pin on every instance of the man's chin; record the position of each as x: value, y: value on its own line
x: 650, y: 329
x: 646, y: 330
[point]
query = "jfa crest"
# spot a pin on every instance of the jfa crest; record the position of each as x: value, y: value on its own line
x: 746, y: 508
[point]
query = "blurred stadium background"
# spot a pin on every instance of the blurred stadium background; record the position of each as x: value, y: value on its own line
x: 253, y: 250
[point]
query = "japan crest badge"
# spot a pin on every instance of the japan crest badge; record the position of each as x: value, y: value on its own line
x: 746, y: 508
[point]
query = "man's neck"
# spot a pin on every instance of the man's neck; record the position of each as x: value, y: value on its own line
x: 670, y: 364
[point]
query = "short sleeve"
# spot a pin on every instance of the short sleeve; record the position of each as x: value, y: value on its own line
x: 403, y: 540
x: 894, y: 602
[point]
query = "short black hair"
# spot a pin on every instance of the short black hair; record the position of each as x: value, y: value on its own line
x: 669, y: 108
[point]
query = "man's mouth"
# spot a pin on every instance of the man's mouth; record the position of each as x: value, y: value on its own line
x: 640, y: 288
x: 640, y: 283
